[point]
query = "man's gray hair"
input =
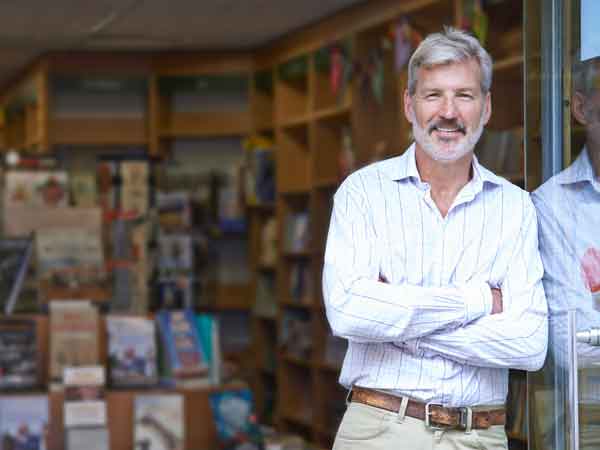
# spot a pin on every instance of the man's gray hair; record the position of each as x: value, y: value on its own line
x: 449, y: 46
x: 584, y: 74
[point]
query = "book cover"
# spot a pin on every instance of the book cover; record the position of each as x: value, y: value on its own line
x: 159, y: 422
x: 15, y: 256
x: 70, y: 256
x: 90, y: 438
x: 18, y: 354
x: 24, y: 422
x: 131, y: 351
x: 175, y: 292
x: 208, y: 330
x: 83, y: 190
x: 175, y: 253
x: 135, y: 191
x: 296, y: 236
x: 21, y: 222
x: 74, y: 331
x: 32, y: 189
x: 233, y: 414
x: 174, y: 209
x: 84, y: 401
x: 181, y: 345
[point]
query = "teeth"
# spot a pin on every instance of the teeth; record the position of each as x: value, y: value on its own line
x: 447, y: 129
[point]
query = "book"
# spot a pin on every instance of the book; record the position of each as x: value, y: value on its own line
x: 15, y: 256
x: 159, y: 422
x: 32, y: 189
x: 89, y: 438
x: 235, y: 421
x: 301, y: 283
x: 131, y: 351
x: 19, y: 359
x: 74, y: 331
x: 181, y: 350
x: 84, y: 401
x: 296, y: 237
x: 175, y: 253
x: 135, y: 191
x: 175, y: 292
x: 174, y: 209
x: 268, y: 243
x: 295, y: 335
x: 83, y: 189
x: 208, y: 330
x: 24, y: 422
x: 70, y: 256
x: 21, y: 222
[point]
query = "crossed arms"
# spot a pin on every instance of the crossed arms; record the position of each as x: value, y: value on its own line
x: 470, y: 323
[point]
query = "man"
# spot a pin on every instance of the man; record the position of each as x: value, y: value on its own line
x: 432, y: 272
x: 568, y: 209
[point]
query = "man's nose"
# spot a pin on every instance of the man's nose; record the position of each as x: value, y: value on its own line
x: 448, y: 109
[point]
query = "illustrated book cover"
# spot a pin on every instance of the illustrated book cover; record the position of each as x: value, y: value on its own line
x: 131, y: 351
x: 159, y: 422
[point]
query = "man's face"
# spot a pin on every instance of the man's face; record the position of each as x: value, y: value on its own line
x: 448, y: 110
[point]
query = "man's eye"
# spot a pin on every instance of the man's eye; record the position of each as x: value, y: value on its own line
x: 432, y: 96
x: 465, y: 96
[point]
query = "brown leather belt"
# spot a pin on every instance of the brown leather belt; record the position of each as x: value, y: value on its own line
x: 434, y: 415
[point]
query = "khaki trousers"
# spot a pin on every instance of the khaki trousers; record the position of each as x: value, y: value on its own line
x: 368, y: 428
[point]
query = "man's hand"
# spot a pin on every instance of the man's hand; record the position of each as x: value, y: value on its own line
x: 496, y: 300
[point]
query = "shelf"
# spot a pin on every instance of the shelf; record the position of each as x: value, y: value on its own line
x: 328, y: 367
x: 326, y: 183
x: 303, y: 419
x: 295, y: 360
x: 296, y: 305
x: 206, y: 124
x: 297, y: 255
x: 261, y: 207
x: 334, y: 114
x: 99, y: 131
x: 294, y: 123
x: 510, y: 62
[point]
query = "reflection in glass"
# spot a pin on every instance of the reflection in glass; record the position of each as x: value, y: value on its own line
x: 565, y: 396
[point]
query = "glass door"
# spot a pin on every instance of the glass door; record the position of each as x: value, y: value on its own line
x: 562, y: 145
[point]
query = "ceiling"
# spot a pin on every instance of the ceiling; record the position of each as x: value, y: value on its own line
x: 32, y: 27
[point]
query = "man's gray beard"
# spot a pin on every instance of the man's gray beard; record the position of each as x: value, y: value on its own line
x: 426, y: 142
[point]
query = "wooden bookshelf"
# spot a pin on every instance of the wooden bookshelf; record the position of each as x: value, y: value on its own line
x: 289, y: 99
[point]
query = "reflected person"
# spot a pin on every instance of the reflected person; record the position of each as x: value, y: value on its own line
x: 568, y: 209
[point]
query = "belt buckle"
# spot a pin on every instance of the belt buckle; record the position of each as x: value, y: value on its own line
x: 465, y: 421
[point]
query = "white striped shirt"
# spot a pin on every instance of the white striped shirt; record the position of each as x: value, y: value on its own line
x: 568, y: 209
x: 428, y: 332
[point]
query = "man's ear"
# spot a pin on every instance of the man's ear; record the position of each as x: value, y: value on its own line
x: 578, y: 108
x: 488, y: 107
x: 408, y: 106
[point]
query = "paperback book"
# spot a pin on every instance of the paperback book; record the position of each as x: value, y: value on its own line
x: 19, y: 368
x: 181, y: 349
x: 159, y: 422
x: 132, y: 351
x: 74, y: 331
x: 84, y: 403
x: 233, y: 414
x: 24, y: 422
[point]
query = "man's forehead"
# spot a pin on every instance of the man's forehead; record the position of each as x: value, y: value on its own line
x: 470, y: 78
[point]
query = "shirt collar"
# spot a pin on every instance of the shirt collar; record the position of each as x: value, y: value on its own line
x: 405, y: 167
x: 580, y: 170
